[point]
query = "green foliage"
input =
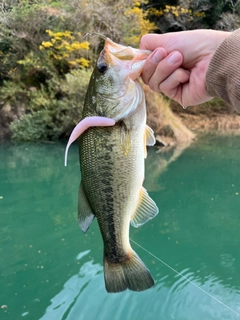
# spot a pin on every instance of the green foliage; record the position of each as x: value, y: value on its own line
x: 230, y: 17
x: 45, y: 63
x: 22, y: 29
x: 54, y: 109
x: 181, y: 15
x: 64, y: 48
x: 32, y: 126
x: 45, y: 60
x: 185, y: 15
x: 142, y: 24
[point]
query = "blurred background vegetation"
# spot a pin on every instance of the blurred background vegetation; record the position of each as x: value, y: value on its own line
x: 46, y: 59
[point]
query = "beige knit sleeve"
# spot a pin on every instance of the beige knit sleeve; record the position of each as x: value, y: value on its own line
x: 223, y: 75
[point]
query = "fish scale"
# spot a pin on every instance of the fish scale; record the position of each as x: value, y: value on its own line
x: 112, y: 149
x: 117, y: 173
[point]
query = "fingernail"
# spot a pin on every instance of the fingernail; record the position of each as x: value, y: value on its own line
x: 174, y: 58
x: 157, y: 56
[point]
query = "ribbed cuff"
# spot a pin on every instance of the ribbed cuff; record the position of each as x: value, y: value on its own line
x: 223, y: 75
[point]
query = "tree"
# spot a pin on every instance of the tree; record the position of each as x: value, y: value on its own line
x: 46, y: 61
x: 230, y: 18
x: 186, y: 15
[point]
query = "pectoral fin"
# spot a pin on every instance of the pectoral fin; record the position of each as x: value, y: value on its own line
x: 149, y: 139
x: 85, y: 214
x: 146, y: 210
x: 125, y: 139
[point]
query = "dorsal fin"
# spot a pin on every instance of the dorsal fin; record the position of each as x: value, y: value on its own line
x: 146, y: 210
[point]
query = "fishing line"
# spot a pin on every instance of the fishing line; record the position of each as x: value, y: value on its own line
x: 94, y: 34
x: 190, y: 281
x: 89, y: 35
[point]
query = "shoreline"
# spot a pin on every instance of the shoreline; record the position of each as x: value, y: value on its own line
x: 170, y: 122
x: 213, y: 116
x: 218, y: 123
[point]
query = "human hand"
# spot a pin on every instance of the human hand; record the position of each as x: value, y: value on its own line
x: 179, y: 62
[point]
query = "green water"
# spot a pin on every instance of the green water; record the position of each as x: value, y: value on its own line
x: 50, y: 270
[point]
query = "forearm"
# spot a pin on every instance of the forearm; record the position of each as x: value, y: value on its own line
x: 223, y: 75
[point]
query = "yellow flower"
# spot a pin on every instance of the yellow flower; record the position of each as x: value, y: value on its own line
x: 56, y: 56
x: 80, y: 45
x: 72, y: 62
x: 68, y: 47
x: 57, y: 38
x: 66, y: 34
x: 49, y: 32
x: 83, y: 62
x: 47, y: 44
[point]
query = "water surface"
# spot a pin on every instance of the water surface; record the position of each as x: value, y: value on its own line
x: 50, y: 270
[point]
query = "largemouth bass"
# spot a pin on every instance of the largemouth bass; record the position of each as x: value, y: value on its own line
x: 112, y: 148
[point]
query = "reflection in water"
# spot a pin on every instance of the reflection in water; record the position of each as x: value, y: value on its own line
x: 82, y: 297
x: 158, y: 160
x: 196, y: 233
x: 61, y: 304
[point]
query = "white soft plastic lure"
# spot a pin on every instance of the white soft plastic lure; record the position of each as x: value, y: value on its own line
x: 83, y: 126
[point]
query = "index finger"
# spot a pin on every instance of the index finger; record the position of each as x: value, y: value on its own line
x: 153, y: 41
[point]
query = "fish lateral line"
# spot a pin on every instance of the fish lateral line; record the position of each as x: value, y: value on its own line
x: 83, y: 125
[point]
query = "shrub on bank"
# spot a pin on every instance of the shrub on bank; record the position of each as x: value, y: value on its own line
x: 45, y: 62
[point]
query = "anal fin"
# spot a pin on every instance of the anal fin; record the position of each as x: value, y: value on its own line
x: 146, y: 210
x: 85, y: 214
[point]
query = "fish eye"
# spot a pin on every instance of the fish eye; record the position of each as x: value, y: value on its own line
x: 102, y: 67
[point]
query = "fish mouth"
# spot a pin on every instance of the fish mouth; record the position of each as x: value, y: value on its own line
x: 129, y: 58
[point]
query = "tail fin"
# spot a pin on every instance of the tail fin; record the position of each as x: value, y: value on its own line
x: 131, y: 274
